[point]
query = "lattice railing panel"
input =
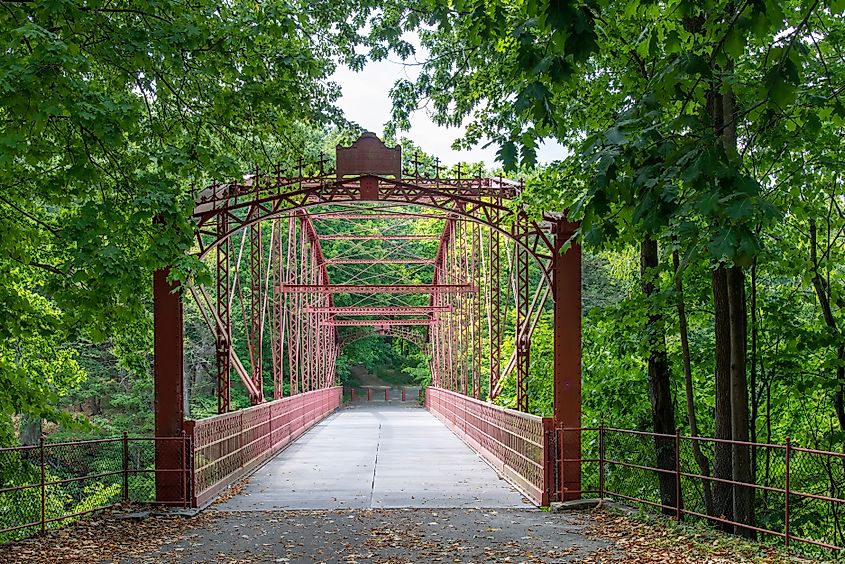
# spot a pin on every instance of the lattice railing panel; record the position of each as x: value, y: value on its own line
x: 228, y: 446
x: 513, y: 442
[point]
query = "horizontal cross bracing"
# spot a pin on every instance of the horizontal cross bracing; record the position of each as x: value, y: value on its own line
x: 381, y: 261
x: 379, y: 310
x: 375, y: 288
x: 376, y: 322
x: 379, y: 237
x: 398, y: 215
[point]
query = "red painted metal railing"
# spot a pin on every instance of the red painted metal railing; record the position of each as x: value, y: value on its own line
x: 512, y: 441
x: 228, y: 446
x: 49, y: 485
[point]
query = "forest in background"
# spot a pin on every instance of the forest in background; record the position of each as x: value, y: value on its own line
x: 703, y: 157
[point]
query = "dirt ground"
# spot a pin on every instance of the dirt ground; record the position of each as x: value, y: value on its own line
x: 389, y: 536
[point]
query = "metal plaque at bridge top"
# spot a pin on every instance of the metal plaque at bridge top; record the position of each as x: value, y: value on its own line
x: 369, y: 155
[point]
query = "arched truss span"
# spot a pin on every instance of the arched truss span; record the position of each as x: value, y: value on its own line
x: 224, y: 209
x: 478, y: 274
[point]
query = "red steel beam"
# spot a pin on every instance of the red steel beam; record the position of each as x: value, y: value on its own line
x: 378, y: 310
x: 379, y: 237
x: 382, y: 261
x: 376, y: 288
x: 376, y: 322
x: 398, y: 215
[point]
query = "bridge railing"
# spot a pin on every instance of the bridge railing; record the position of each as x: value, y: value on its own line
x: 512, y: 441
x: 228, y: 446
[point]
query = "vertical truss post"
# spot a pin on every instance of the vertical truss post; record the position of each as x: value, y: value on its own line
x: 313, y: 328
x: 304, y: 330
x: 463, y: 324
x: 494, y: 312
x: 223, y: 340
x: 476, y: 297
x: 295, y: 300
x: 279, y: 309
x: 453, y: 320
x: 567, y: 353
x: 523, y: 297
x: 255, y: 337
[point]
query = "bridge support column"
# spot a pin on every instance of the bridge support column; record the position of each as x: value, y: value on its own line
x: 567, y: 356
x: 169, y: 396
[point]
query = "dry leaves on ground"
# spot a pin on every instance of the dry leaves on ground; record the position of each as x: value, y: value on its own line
x: 658, y: 541
x: 103, y: 537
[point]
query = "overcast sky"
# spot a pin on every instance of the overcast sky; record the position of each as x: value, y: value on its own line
x: 366, y: 101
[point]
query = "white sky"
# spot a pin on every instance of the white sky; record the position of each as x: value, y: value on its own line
x: 366, y: 101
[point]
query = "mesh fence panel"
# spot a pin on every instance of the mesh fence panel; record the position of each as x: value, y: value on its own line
x: 20, y: 492
x: 817, y: 481
x: 77, y: 478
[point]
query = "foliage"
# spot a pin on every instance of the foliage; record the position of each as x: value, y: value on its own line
x: 108, y: 117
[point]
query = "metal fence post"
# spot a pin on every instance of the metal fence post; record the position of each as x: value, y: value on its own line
x: 125, y: 467
x: 601, y: 460
x: 184, y: 469
x: 43, y: 487
x: 369, y: 394
x: 678, y: 474
x: 786, y: 491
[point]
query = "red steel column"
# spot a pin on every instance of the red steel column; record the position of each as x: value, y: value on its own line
x: 567, y: 354
x: 168, y: 395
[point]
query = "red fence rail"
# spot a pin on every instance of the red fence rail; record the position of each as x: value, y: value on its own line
x: 512, y: 441
x: 49, y: 485
x: 798, y: 493
x: 228, y: 446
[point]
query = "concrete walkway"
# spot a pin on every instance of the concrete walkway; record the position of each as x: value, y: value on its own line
x: 380, y: 456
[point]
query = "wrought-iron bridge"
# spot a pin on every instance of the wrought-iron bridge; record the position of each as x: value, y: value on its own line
x: 315, y: 290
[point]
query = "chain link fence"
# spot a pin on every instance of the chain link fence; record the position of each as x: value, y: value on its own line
x: 797, y: 494
x: 49, y: 485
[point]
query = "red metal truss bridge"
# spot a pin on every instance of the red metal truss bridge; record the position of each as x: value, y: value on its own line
x: 302, y: 269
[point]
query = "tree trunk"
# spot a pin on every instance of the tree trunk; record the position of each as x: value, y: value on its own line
x: 659, y: 381
x: 752, y: 385
x: 823, y: 295
x: 722, y: 460
x: 743, y: 495
x: 700, y: 459
x: 30, y: 430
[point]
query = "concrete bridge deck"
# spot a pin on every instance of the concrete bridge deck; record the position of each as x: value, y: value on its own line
x: 376, y: 456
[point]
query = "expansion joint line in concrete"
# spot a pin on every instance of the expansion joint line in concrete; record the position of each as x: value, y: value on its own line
x: 375, y: 465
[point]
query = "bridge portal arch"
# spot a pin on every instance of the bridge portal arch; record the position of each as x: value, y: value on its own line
x: 370, y: 175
